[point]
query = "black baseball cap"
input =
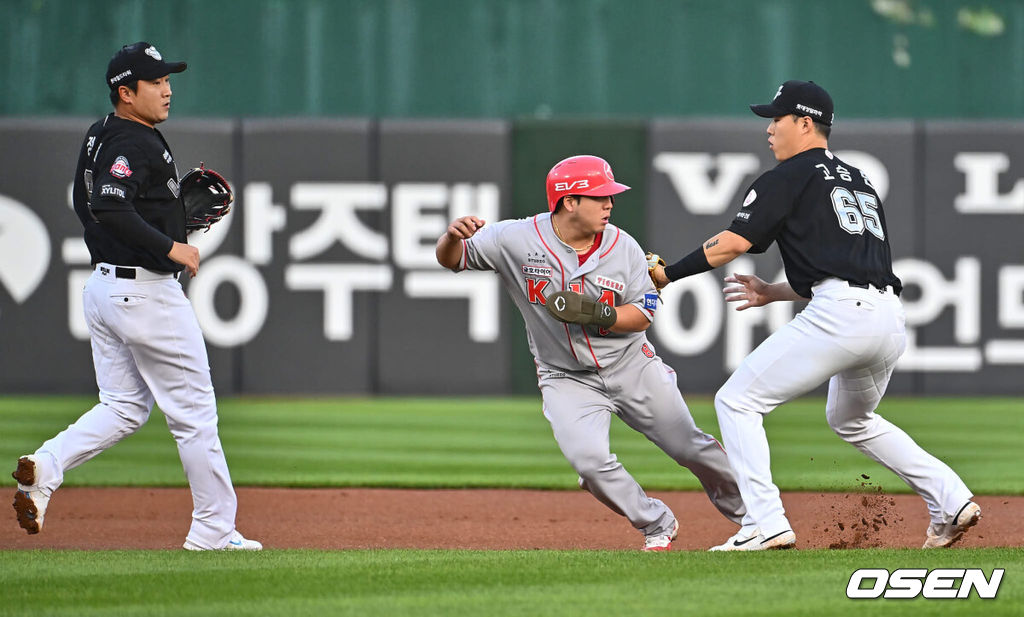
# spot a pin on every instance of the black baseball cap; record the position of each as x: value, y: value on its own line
x: 803, y: 98
x: 139, y: 61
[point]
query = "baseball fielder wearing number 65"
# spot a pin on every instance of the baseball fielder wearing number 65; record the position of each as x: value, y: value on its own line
x: 583, y: 288
x: 830, y: 227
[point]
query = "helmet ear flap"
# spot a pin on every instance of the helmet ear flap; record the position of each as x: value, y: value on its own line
x: 560, y: 204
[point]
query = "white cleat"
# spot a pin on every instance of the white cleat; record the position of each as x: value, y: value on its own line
x: 755, y: 541
x: 29, y: 502
x: 737, y: 542
x: 236, y: 543
x: 663, y: 542
x: 940, y: 535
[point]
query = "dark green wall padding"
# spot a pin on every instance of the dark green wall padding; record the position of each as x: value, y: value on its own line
x: 507, y: 58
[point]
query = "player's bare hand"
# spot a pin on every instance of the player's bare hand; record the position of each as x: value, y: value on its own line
x: 464, y: 227
x: 659, y: 276
x: 748, y: 289
x: 186, y: 255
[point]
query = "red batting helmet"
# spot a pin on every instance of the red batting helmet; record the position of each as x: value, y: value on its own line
x: 582, y: 175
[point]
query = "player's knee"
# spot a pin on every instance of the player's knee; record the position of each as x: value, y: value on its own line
x: 851, y: 429
x: 728, y: 400
x: 736, y: 398
x: 589, y: 466
x: 132, y: 414
x: 190, y: 431
x: 136, y: 422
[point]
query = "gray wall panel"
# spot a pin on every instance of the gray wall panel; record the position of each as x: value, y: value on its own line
x: 322, y: 280
x: 429, y: 342
x: 974, y: 219
x: 292, y: 352
x: 38, y: 352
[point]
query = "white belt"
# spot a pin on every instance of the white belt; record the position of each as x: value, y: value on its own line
x: 132, y: 273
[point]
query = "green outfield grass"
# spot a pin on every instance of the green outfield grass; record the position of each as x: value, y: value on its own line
x: 506, y: 442
x: 490, y: 442
x: 479, y: 583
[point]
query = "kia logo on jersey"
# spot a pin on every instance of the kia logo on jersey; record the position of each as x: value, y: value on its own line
x: 568, y: 186
x: 120, y: 168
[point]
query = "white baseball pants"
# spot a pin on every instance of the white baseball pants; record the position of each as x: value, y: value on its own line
x: 146, y: 346
x: 853, y: 338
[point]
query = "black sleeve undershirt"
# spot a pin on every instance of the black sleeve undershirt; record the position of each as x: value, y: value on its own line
x: 128, y: 227
x: 694, y: 263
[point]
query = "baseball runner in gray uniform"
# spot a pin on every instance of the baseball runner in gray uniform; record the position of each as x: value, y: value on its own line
x: 583, y: 288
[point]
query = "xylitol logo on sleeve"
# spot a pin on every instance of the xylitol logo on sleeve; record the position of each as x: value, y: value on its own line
x: 940, y: 583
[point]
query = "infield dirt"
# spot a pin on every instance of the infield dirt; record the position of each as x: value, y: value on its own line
x: 158, y: 518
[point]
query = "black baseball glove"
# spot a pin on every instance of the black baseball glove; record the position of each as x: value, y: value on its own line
x: 571, y: 307
x: 207, y: 198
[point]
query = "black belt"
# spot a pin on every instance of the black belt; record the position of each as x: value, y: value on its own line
x: 126, y: 272
x: 869, y: 286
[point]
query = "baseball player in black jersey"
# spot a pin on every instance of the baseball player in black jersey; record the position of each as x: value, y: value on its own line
x: 828, y: 221
x: 146, y: 342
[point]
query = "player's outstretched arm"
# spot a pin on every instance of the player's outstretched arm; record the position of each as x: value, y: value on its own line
x: 724, y: 247
x: 449, y: 245
x: 716, y: 251
x: 753, y: 291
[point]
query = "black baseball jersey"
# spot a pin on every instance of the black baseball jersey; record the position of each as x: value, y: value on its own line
x: 125, y: 170
x: 826, y: 217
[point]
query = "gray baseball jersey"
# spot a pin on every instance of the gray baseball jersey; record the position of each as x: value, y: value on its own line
x: 586, y: 373
x: 533, y: 263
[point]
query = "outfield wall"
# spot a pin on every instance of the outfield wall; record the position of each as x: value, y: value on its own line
x: 322, y: 280
x: 509, y: 58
